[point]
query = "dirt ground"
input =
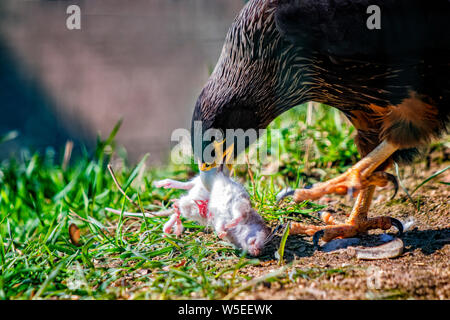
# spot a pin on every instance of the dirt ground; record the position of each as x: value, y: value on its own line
x: 421, y: 272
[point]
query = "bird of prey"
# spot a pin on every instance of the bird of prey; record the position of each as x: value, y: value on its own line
x: 391, y: 79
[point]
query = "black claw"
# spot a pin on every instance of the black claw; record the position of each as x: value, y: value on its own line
x: 284, y: 194
x: 397, y: 223
x: 394, y: 181
x: 316, y: 238
x: 289, y: 192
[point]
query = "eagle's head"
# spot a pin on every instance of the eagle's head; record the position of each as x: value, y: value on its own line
x: 221, y: 129
x: 256, y: 79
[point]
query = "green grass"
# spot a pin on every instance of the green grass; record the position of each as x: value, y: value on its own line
x: 40, y: 196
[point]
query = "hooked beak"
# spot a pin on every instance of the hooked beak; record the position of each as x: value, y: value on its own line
x: 208, y: 172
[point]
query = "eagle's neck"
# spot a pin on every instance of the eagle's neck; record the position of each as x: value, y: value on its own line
x: 257, y: 67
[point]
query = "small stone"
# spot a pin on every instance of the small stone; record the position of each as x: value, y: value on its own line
x: 388, y: 250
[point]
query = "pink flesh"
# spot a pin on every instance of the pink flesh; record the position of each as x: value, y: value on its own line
x: 203, y: 208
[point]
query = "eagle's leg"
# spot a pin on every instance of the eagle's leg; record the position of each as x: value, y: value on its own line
x: 358, y: 177
x: 358, y: 222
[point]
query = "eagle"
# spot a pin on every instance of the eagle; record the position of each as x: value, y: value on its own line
x: 390, y: 77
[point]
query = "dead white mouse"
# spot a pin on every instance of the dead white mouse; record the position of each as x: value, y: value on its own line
x: 233, y: 217
x: 227, y: 209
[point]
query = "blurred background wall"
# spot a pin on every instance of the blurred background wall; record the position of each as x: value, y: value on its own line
x: 142, y: 60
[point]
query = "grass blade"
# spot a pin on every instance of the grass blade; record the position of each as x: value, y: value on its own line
x: 280, y: 252
x: 430, y: 178
x: 135, y: 172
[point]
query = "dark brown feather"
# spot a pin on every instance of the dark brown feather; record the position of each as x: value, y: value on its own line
x: 393, y: 85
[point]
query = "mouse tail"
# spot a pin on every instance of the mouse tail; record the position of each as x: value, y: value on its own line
x: 163, y: 213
